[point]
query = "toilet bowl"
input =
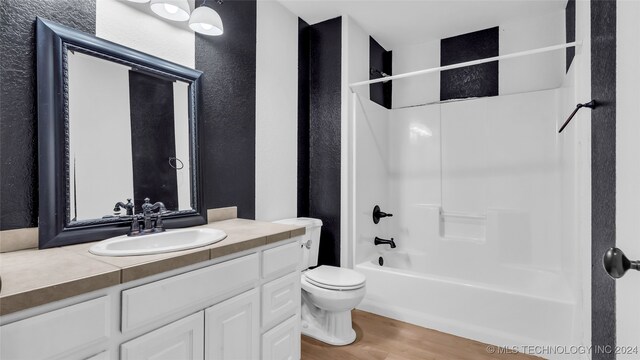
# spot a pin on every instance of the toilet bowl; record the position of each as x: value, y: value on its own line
x: 326, y: 306
x: 329, y: 293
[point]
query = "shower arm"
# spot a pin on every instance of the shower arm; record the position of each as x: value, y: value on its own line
x: 591, y: 105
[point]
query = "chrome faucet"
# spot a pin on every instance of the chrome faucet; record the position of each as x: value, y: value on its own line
x: 148, y: 226
x: 379, y: 241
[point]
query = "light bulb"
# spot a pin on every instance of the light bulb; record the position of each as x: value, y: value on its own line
x: 176, y: 10
x: 171, y: 9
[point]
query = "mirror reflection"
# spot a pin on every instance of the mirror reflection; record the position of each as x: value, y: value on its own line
x: 128, y: 138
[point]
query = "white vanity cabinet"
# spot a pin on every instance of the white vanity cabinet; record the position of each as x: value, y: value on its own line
x: 232, y: 328
x: 244, y: 306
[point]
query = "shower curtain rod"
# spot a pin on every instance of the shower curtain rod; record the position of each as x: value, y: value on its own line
x: 464, y: 64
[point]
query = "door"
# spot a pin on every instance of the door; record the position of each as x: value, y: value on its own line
x: 628, y: 176
x: 231, y: 328
x: 183, y: 339
x: 283, y: 341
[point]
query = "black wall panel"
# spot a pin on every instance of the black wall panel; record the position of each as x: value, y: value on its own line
x: 470, y: 81
x: 153, y: 140
x: 570, y: 30
x: 229, y: 93
x: 324, y: 134
x: 18, y: 118
x: 303, y: 117
x: 603, y: 173
x: 380, y: 60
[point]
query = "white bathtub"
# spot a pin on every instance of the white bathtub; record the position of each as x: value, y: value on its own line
x: 511, y: 306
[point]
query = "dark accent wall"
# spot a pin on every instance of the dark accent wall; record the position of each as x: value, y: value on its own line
x: 229, y: 93
x: 570, y: 30
x: 324, y: 62
x: 153, y: 140
x: 603, y: 173
x: 379, y: 60
x: 470, y: 81
x: 18, y: 118
x: 303, y: 117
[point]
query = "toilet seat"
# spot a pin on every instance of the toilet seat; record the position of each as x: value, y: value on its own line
x: 335, y: 278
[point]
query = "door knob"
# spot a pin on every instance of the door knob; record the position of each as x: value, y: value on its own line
x: 616, y: 263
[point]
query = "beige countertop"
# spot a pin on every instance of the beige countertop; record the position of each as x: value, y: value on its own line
x: 35, y: 277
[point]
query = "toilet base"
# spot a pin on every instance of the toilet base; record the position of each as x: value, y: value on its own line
x: 333, y: 328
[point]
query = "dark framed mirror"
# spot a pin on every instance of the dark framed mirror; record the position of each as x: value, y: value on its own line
x: 113, y: 124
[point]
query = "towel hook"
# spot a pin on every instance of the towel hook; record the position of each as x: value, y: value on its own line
x: 591, y: 105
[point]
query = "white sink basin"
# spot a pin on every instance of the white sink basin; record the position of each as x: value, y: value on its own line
x: 168, y: 241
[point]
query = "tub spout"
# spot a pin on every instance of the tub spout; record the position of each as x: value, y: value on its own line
x: 379, y: 241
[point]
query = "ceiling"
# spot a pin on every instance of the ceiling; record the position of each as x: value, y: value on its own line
x: 395, y: 23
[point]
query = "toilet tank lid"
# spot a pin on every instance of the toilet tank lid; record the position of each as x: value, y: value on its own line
x: 301, y: 221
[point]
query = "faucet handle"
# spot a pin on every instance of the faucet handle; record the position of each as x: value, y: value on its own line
x: 146, y: 207
x: 135, y: 225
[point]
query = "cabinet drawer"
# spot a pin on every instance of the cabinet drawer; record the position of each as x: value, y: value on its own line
x: 282, y: 342
x: 280, y: 260
x: 101, y: 356
x: 58, y: 333
x: 280, y: 299
x: 191, y: 291
x: 183, y: 339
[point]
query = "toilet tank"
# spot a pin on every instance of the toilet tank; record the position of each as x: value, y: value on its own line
x: 310, y: 240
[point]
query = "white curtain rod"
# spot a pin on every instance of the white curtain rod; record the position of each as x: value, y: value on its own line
x: 464, y: 64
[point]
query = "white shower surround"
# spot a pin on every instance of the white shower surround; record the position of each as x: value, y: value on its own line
x: 484, y: 216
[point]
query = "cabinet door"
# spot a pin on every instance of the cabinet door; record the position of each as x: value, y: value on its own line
x: 231, y: 328
x: 283, y: 341
x: 183, y: 339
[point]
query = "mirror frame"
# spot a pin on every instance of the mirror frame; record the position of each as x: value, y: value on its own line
x: 54, y: 226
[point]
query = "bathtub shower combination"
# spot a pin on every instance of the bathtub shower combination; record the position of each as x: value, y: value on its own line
x: 483, y: 202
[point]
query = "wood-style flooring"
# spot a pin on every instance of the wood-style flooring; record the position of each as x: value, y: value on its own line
x: 381, y: 338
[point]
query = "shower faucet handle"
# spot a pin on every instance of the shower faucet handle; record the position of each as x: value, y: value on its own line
x: 616, y: 263
x: 378, y: 214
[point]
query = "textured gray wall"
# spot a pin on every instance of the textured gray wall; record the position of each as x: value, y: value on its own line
x: 229, y: 113
x: 18, y: 118
x: 603, y: 172
x: 324, y: 134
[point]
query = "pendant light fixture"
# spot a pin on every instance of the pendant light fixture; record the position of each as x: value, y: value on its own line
x: 206, y: 21
x: 203, y: 20
x: 175, y: 10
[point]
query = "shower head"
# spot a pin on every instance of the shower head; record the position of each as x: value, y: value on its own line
x: 616, y: 263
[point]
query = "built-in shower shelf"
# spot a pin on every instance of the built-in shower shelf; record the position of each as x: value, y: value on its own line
x: 460, y: 226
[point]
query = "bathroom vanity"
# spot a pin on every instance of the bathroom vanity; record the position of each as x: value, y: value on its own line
x: 243, y: 302
x: 234, y: 299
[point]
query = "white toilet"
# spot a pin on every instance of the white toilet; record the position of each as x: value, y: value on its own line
x: 329, y: 293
